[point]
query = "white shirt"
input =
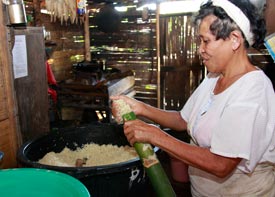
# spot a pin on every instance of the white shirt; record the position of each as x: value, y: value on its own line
x: 239, y: 122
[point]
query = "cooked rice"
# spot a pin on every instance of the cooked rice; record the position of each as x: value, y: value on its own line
x: 96, y: 155
x: 121, y: 109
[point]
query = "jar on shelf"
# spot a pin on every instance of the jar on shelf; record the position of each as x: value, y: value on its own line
x: 16, y: 11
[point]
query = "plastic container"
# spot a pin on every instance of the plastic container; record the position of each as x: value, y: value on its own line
x: 30, y: 182
x: 116, y: 180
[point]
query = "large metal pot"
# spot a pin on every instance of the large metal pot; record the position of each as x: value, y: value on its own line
x: 122, y: 179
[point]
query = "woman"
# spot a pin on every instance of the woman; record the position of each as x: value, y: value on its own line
x: 230, y: 116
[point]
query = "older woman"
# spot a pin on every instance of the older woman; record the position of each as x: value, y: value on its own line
x: 230, y: 116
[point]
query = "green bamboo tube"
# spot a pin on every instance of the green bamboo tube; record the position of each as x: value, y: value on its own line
x: 152, y: 166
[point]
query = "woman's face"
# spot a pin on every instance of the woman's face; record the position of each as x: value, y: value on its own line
x: 214, y: 53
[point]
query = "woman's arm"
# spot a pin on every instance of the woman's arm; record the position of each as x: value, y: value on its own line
x: 139, y: 131
x: 198, y: 157
x: 168, y: 119
x: 202, y: 158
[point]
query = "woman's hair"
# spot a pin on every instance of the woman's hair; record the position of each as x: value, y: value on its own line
x: 224, y: 25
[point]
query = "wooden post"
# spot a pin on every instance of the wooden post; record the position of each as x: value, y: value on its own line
x: 158, y: 55
x: 9, y: 129
x: 87, y: 37
x: 37, y: 13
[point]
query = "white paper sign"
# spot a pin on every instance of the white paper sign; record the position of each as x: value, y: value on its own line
x: 19, y: 53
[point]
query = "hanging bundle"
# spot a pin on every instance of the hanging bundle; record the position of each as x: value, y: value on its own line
x: 65, y: 10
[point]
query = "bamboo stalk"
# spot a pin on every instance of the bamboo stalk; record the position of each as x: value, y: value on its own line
x: 153, y: 168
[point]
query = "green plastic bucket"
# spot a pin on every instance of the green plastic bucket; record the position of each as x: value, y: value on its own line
x: 32, y: 182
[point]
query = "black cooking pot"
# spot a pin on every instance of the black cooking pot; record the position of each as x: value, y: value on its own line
x: 116, y: 180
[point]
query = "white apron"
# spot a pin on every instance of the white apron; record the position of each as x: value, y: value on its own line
x: 260, y: 183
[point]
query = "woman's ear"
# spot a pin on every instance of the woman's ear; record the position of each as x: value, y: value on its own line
x: 236, y: 39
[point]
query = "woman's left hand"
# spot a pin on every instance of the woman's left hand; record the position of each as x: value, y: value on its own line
x: 139, y: 131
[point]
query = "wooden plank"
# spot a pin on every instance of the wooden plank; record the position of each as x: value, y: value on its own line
x: 87, y: 38
x: 9, y: 135
x: 7, y: 145
x: 31, y: 91
x: 3, y: 106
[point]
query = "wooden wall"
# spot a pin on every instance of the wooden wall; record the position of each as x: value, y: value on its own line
x: 66, y: 45
x: 64, y: 42
x: 131, y: 47
x: 181, y: 70
x: 31, y: 90
x: 9, y: 134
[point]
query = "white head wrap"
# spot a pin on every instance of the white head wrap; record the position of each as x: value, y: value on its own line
x: 238, y: 16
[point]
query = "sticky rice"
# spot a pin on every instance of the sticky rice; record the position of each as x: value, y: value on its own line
x: 94, y: 155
